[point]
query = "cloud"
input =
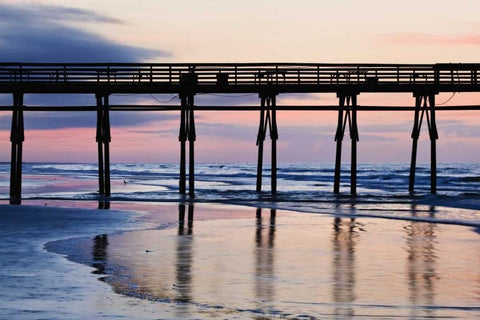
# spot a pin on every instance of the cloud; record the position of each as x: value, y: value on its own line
x: 61, y: 120
x: 457, y: 128
x: 42, y: 13
x: 41, y: 34
x: 427, y: 39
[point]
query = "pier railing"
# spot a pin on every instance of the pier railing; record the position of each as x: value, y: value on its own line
x: 241, y: 74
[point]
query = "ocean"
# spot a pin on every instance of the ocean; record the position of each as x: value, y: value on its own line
x: 233, y: 253
x: 382, y: 189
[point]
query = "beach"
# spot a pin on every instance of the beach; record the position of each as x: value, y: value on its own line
x: 231, y: 262
x: 148, y: 252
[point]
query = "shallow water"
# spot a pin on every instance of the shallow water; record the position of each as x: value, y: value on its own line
x: 284, y: 264
x: 236, y: 182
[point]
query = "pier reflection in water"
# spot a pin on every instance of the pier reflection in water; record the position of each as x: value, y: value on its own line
x: 298, y: 264
x: 344, y: 240
x: 99, y: 253
x: 184, y: 259
x: 264, y: 289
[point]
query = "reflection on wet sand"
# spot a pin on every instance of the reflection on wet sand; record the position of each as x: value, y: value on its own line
x: 181, y: 219
x: 99, y: 253
x: 184, y: 259
x: 290, y: 266
x: 264, y: 289
x: 344, y: 241
x: 421, y: 265
x: 103, y: 205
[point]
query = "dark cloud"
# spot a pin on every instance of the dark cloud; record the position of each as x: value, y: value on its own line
x: 42, y: 13
x: 40, y: 33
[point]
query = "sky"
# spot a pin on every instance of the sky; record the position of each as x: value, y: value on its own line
x: 343, y: 31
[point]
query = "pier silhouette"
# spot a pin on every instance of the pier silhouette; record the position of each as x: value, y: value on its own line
x: 268, y: 80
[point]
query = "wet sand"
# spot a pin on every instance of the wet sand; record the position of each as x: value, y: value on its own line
x: 233, y: 262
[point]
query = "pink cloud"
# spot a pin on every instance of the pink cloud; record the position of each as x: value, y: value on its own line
x: 429, y: 39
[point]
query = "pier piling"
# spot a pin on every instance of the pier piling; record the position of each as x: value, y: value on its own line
x: 103, y: 139
x: 187, y: 132
x: 17, y: 136
x: 268, y: 121
x: 260, y: 141
x: 182, y: 137
x: 347, y: 114
x: 424, y: 107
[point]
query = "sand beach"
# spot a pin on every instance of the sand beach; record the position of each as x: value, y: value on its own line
x: 231, y: 262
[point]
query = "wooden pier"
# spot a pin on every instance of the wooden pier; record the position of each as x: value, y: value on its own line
x: 268, y: 80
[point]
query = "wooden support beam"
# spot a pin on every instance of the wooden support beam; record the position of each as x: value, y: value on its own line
x: 339, y: 138
x: 182, y: 137
x: 187, y: 132
x: 268, y: 121
x: 260, y: 141
x: 103, y: 139
x: 235, y: 108
x: 433, y: 145
x: 415, y: 136
x: 424, y: 106
x: 106, y: 145
x: 354, y: 139
x: 17, y: 137
x: 192, y: 136
x: 274, y: 138
x: 347, y: 114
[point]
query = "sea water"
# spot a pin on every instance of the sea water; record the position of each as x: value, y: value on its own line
x: 296, y: 182
x: 382, y: 189
x: 383, y: 254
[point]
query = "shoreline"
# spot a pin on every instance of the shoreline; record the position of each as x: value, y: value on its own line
x: 431, y: 210
x: 122, y: 217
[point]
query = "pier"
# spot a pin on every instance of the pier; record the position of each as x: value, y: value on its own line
x: 268, y: 80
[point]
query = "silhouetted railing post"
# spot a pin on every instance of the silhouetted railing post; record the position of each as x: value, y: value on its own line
x: 17, y: 137
x: 103, y: 139
x: 424, y: 105
x: 347, y: 103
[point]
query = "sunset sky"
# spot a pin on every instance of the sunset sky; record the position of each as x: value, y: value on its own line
x: 342, y: 31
